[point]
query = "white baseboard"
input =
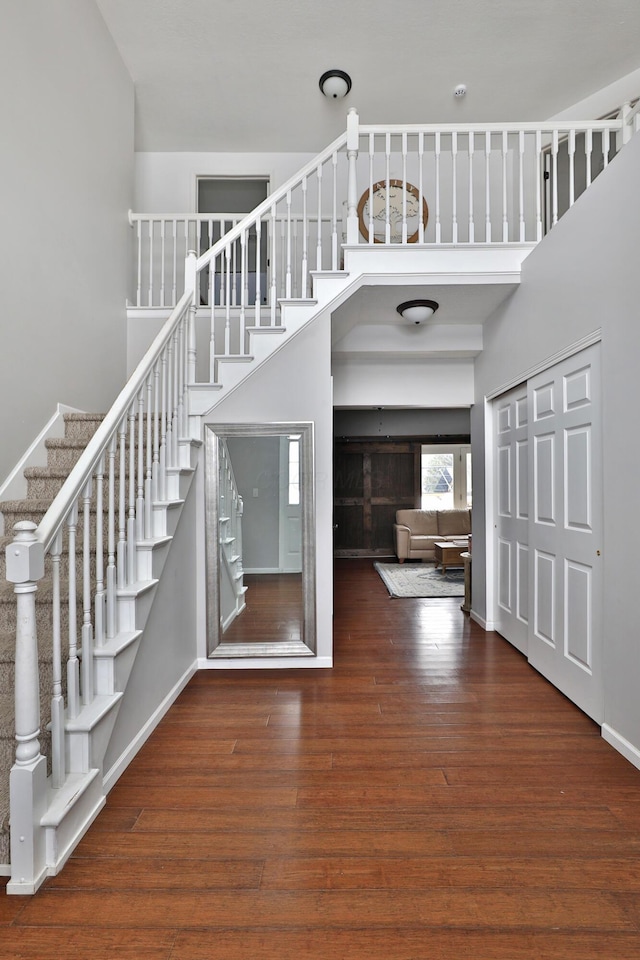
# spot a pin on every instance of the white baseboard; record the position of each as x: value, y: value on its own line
x: 623, y: 746
x: 5, y: 869
x: 487, y: 625
x: 143, y: 735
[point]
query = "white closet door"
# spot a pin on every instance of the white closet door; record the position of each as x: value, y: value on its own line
x: 565, y: 530
x: 512, y: 516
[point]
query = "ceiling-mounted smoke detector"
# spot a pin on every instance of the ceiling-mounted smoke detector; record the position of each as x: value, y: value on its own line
x: 460, y: 90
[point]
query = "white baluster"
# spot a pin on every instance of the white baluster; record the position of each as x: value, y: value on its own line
x: 572, y: 153
x: 100, y: 595
x: 57, y: 700
x: 539, y: 181
x: 258, y: 271
x: 405, y: 234
x: 521, y: 185
x: 274, y: 243
x: 121, y: 556
x: 87, y: 627
x: 175, y: 433
x: 191, y: 283
x: 420, y: 187
x: 148, y: 480
x: 174, y: 275
x: 162, y: 473
x: 437, y: 161
x: 244, y: 274
x: 387, y: 208
x: 606, y: 144
x: 487, y: 187
x: 287, y: 288
x: 151, y: 231
x: 370, y: 203
x: 319, y: 237
x: 283, y: 256
x: 139, y: 287
x: 304, y: 266
x: 334, y: 214
x: 472, y: 229
x: 111, y: 542
x: 505, y: 197
x: 162, y: 263
x: 294, y: 257
x: 554, y: 161
x: 73, y: 663
x: 234, y: 272
x: 131, y: 515
x: 227, y: 305
x: 454, y: 187
x: 588, y: 146
x: 140, y: 473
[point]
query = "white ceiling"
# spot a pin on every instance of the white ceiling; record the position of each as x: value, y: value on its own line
x: 217, y: 75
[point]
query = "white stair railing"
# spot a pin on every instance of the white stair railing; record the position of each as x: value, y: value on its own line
x: 90, y: 538
x: 426, y: 184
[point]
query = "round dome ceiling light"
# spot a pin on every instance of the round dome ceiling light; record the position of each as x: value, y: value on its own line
x: 417, y: 311
x: 335, y: 84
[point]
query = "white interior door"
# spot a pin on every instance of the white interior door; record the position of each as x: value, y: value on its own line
x: 511, y: 512
x: 290, y: 506
x: 565, y: 530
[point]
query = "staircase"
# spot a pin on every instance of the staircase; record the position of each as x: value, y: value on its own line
x: 97, y: 528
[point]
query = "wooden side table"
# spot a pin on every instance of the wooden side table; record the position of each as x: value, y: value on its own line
x: 465, y: 606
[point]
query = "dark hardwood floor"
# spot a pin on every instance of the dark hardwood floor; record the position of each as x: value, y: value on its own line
x: 430, y: 798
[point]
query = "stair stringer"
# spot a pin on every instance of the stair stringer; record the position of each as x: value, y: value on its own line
x: 67, y: 812
x: 365, y: 265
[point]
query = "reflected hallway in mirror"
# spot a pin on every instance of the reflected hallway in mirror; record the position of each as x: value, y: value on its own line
x: 260, y: 525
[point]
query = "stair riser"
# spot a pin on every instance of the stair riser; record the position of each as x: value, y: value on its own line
x: 81, y: 428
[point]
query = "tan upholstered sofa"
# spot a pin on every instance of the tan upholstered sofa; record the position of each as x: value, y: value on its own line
x: 416, y: 531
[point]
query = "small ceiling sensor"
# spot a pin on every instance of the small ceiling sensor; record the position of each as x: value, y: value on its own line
x: 335, y: 84
x: 460, y: 90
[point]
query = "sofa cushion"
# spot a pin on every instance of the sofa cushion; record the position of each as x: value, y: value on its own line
x: 420, y: 522
x: 454, y: 522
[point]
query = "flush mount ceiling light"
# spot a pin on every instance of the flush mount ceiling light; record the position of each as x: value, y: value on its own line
x: 417, y: 311
x: 335, y: 84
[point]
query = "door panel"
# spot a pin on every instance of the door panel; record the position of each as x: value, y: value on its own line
x: 566, y: 530
x: 511, y: 514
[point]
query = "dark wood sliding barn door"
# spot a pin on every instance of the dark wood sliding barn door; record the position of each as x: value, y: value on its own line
x: 372, y: 479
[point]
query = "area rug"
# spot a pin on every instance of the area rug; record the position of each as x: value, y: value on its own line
x: 420, y: 580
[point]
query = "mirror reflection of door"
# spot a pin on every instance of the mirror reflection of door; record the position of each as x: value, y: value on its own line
x: 267, y: 475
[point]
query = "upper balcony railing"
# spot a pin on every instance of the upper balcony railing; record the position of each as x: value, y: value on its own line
x: 427, y: 184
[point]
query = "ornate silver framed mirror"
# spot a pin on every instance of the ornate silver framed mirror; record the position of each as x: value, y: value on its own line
x: 260, y: 526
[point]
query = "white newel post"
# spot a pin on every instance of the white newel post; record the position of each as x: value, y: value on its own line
x: 353, y: 142
x: 28, y: 782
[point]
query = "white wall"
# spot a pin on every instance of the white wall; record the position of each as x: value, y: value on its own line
x: 66, y: 185
x: 295, y: 385
x: 582, y: 277
x: 166, y: 182
x: 403, y: 383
